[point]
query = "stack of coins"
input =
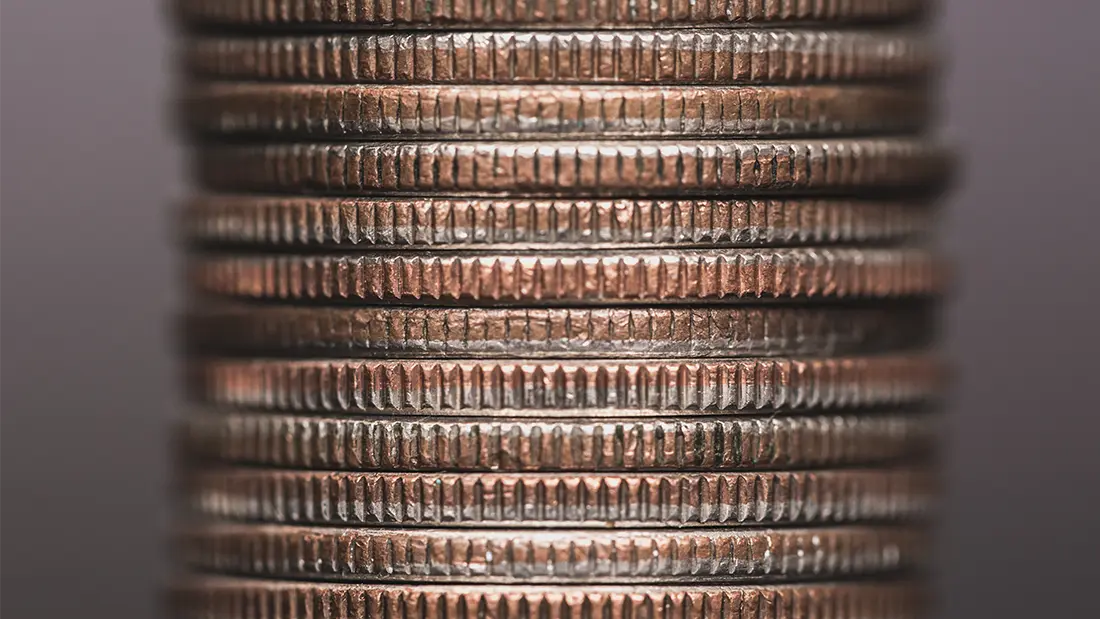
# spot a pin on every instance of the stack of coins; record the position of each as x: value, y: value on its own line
x: 558, y: 309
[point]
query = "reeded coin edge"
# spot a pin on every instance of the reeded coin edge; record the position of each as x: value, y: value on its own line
x: 590, y: 167
x: 440, y: 222
x: 495, y: 111
x: 491, y: 444
x: 223, y: 597
x: 526, y: 13
x: 559, y: 499
x: 565, y: 332
x: 703, y: 385
x: 697, y: 56
x: 724, y: 555
x: 673, y: 276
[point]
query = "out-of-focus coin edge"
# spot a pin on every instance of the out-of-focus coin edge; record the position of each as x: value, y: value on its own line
x: 603, y: 14
x: 212, y: 597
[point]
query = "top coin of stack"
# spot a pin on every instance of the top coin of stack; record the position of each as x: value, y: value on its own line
x: 559, y: 14
x: 509, y: 306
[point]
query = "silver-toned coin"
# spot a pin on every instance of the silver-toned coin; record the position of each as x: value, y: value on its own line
x: 538, y: 500
x: 568, y: 388
x: 288, y: 111
x: 554, y: 556
x: 672, y: 168
x: 491, y: 444
x: 602, y: 14
x: 393, y: 332
x: 458, y: 223
x: 239, y: 598
x: 717, y: 57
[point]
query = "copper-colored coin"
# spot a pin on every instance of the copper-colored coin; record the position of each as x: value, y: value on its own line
x: 719, y: 57
x: 566, y: 332
x: 602, y: 14
x: 637, y: 168
x: 554, y: 499
x: 501, y: 444
x: 456, y: 222
x: 238, y: 598
x: 672, y: 276
x: 553, y: 556
x: 541, y: 387
x: 375, y: 112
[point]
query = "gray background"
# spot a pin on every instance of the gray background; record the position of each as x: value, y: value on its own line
x: 88, y: 271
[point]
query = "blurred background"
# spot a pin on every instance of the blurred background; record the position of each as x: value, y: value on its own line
x: 89, y: 172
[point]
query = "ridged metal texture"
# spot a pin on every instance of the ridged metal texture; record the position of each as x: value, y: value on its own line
x: 558, y: 309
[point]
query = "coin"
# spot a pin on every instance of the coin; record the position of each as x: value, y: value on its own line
x: 239, y: 598
x: 542, y: 387
x: 602, y: 14
x: 554, y: 556
x: 442, y: 332
x: 541, y: 500
x: 468, y: 223
x: 557, y: 332
x: 680, y: 443
x: 377, y: 111
x: 558, y: 309
x: 586, y: 168
x: 673, y: 276
x: 719, y: 57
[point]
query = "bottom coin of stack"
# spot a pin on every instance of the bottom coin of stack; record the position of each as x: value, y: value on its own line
x: 256, y: 599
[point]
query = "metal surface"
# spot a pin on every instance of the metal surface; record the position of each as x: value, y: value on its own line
x: 539, y: 500
x: 548, y: 387
x: 474, y: 223
x: 717, y: 57
x: 504, y: 323
x: 537, y: 13
x: 578, y: 168
x: 559, y: 556
x: 673, y: 443
x: 555, y: 277
x: 323, y: 111
x: 238, y: 598
x: 393, y: 332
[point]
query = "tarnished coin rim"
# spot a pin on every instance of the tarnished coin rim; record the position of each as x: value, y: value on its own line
x: 552, y: 556
x: 603, y: 14
x: 565, y: 277
x: 559, y: 387
x: 444, y: 223
x: 697, y: 56
x: 583, y: 499
x: 551, y: 112
x: 228, y: 598
x: 674, y: 443
x: 678, y: 168
x: 391, y: 332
